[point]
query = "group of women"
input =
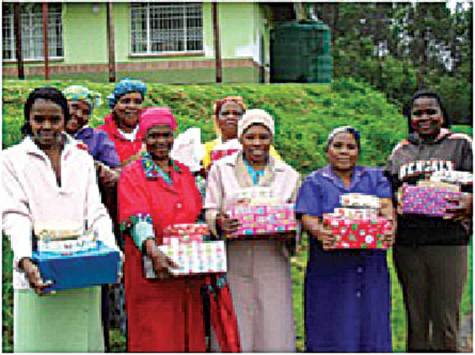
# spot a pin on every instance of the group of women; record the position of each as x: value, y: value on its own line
x: 51, y: 177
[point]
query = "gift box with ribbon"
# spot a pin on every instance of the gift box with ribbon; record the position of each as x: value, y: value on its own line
x: 427, y: 200
x: 94, y: 266
x: 192, y: 258
x: 357, y: 233
x: 264, y: 221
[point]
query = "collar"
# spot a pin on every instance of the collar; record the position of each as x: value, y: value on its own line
x: 153, y: 171
x: 31, y: 147
x: 328, y: 173
x: 416, y: 139
x: 110, y: 127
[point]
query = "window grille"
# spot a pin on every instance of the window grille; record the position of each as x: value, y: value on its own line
x: 162, y: 27
x: 32, y: 31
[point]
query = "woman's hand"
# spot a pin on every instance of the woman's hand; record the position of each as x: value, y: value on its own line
x: 108, y: 177
x: 389, y: 236
x: 34, y: 277
x: 161, y: 263
x: 399, y: 200
x: 226, y: 224
x: 463, y: 210
x: 319, y: 231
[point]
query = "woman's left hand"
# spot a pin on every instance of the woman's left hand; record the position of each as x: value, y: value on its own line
x: 390, y: 236
x: 463, y: 209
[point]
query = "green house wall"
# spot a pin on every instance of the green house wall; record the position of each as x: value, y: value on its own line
x: 242, y: 28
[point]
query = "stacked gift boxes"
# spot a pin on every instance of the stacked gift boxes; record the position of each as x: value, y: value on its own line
x: 357, y: 224
x: 453, y: 177
x: 186, y: 246
x: 75, y: 262
x: 429, y: 198
x: 263, y: 220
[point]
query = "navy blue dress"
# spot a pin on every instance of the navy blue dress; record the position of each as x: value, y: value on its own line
x: 347, y: 292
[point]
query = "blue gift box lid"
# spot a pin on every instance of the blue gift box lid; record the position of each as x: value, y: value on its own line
x: 81, y: 269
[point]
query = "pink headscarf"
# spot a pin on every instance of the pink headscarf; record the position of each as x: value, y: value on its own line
x: 153, y: 116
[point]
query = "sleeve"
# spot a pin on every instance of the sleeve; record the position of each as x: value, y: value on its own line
x: 96, y: 213
x: 107, y: 153
x: 213, y: 198
x: 383, y: 187
x: 17, y: 222
x: 134, y: 214
x: 309, y: 198
x: 467, y: 156
x: 274, y: 153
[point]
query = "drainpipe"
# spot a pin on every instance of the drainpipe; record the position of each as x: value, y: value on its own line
x: 45, y: 38
x: 111, y: 42
x: 18, y: 48
x: 217, y: 47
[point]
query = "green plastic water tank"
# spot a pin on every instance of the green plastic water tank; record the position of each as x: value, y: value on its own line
x: 300, y: 52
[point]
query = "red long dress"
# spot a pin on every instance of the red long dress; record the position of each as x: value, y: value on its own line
x: 163, y: 315
x: 124, y: 148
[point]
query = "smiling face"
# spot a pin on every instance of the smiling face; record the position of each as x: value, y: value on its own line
x: 47, y: 122
x: 159, y: 142
x: 426, y: 116
x: 228, y: 118
x: 79, y: 111
x: 127, y: 110
x: 343, y: 152
x: 256, y: 141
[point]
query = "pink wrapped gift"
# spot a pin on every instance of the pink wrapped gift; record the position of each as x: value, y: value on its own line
x: 192, y: 258
x: 357, y: 233
x: 426, y: 200
x: 271, y: 221
x: 185, y: 233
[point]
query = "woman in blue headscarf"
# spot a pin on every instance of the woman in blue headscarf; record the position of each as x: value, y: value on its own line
x: 347, y: 292
x: 122, y: 124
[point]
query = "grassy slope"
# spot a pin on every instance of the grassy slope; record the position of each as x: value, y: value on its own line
x: 304, y: 114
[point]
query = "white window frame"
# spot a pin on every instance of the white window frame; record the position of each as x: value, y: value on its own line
x: 29, y: 43
x: 147, y: 34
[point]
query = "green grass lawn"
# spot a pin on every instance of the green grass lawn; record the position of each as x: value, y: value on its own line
x: 298, y: 270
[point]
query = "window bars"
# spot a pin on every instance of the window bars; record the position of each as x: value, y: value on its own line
x: 32, y: 32
x: 162, y: 28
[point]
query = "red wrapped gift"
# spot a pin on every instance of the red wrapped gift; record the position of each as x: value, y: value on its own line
x: 260, y: 220
x: 186, y: 232
x: 358, y: 233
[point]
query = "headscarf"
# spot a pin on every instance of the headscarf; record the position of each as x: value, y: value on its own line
x: 82, y: 93
x: 254, y: 116
x: 154, y: 116
x: 344, y: 129
x: 430, y: 94
x: 217, y: 108
x: 124, y: 87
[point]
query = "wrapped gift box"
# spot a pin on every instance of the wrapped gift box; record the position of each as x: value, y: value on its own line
x: 364, y: 213
x: 271, y: 221
x: 427, y: 200
x: 186, y: 232
x: 360, y: 200
x: 358, y: 233
x: 256, y: 196
x: 87, y: 268
x: 453, y: 176
x: 193, y: 258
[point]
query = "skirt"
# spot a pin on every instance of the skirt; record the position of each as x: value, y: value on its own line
x: 68, y: 321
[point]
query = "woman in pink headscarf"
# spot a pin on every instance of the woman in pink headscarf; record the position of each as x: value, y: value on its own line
x: 164, y: 314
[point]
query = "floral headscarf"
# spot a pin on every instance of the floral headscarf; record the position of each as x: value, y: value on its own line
x: 82, y: 93
x: 124, y: 87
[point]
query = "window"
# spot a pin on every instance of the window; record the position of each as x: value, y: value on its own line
x: 32, y: 31
x: 166, y: 27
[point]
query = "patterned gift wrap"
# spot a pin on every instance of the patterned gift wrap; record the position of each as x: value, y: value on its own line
x: 193, y: 258
x: 360, y: 200
x: 364, y: 213
x: 268, y: 221
x: 453, y: 176
x: 358, y: 233
x: 85, y: 242
x: 256, y: 196
x: 221, y: 153
x: 428, y: 201
x: 186, y: 233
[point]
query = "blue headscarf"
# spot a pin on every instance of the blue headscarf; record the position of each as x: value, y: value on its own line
x: 124, y: 87
x: 344, y: 129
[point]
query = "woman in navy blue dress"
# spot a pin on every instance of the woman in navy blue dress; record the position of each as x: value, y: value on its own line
x: 347, y: 292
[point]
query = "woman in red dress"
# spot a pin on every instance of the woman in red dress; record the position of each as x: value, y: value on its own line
x: 164, y: 314
x: 122, y: 124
